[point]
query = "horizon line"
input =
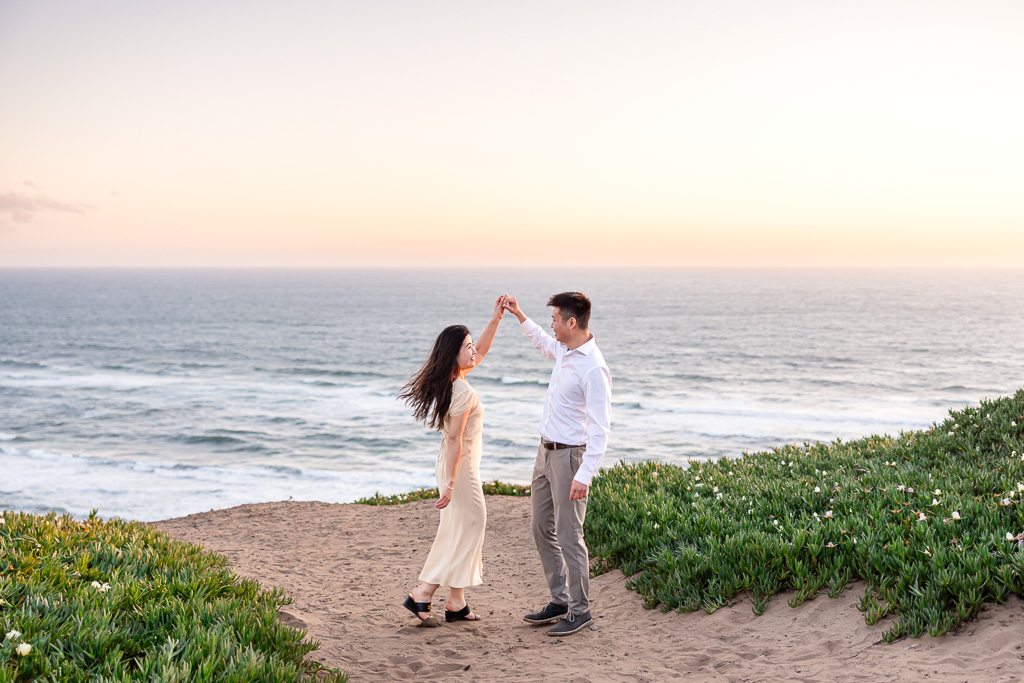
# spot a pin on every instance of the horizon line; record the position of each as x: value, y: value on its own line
x: 855, y: 267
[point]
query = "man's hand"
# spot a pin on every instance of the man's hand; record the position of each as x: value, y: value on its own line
x: 499, y: 308
x: 578, y: 491
x: 512, y: 306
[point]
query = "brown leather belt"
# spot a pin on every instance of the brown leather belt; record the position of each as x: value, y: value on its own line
x: 555, y: 446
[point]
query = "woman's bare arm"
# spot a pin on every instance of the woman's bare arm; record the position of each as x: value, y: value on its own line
x: 483, y: 344
x: 453, y: 454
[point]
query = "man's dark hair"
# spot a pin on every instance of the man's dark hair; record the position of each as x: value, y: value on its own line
x: 572, y: 305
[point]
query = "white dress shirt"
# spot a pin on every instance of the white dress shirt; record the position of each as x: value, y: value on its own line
x: 578, y: 406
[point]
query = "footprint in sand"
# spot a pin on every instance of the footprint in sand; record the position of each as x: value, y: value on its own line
x: 289, y: 619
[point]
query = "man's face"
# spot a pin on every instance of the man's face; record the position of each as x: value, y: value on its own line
x: 559, y: 326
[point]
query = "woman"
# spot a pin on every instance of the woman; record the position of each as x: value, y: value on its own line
x: 442, y: 398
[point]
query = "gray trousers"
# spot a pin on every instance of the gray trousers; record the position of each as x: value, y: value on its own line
x: 558, y: 527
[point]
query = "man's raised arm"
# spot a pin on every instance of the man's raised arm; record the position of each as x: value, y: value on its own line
x: 541, y: 339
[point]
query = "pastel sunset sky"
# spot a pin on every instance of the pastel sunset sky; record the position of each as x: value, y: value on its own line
x: 520, y: 133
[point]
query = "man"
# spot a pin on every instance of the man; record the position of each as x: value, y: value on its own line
x: 574, y: 431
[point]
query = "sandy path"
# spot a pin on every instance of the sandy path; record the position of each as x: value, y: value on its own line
x: 348, y: 567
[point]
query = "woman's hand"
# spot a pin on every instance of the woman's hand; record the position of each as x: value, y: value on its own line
x: 499, y: 308
x: 445, y: 498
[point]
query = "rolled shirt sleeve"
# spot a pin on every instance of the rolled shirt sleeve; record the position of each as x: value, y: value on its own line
x: 597, y: 387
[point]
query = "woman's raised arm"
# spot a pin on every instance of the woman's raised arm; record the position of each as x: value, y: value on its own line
x: 483, y: 344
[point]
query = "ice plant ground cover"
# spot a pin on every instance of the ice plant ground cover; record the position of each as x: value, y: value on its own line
x: 932, y: 521
x: 120, y: 601
x: 491, y: 488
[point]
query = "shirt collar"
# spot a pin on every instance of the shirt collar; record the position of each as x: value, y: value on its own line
x: 587, y: 347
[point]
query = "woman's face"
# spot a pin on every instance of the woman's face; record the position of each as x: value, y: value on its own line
x: 467, y: 354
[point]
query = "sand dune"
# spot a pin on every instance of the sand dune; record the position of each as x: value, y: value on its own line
x: 348, y: 568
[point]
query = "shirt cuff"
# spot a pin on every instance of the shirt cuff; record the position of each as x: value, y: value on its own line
x: 584, y: 474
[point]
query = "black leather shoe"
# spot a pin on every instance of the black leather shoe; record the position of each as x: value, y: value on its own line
x: 570, y: 624
x: 553, y: 612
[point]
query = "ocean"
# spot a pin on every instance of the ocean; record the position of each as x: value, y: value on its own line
x: 150, y: 394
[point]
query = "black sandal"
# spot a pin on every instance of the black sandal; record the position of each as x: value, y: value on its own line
x: 416, y: 607
x: 461, y: 615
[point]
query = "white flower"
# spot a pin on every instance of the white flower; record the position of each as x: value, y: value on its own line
x: 1020, y: 486
x: 949, y: 433
x: 1006, y: 501
x: 101, y: 587
x: 790, y: 463
x: 13, y: 634
x: 921, y: 517
x: 901, y: 487
x: 656, y: 525
x: 2, y: 521
x: 715, y: 489
x: 910, y: 490
x: 655, y: 473
x: 934, y: 502
x: 776, y: 523
x: 956, y: 515
x: 719, y: 496
x: 815, y: 515
x: 938, y: 492
x: 831, y: 545
x: 1013, y: 423
x: 1009, y: 536
x: 824, y: 473
x: 817, y: 489
x: 693, y: 505
x: 828, y: 513
x: 24, y: 649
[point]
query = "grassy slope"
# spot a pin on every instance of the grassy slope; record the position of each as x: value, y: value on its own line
x: 931, y: 520
x: 122, y: 601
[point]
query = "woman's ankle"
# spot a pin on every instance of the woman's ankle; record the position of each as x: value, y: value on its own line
x: 422, y: 593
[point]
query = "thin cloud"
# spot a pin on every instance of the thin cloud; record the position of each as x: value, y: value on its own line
x: 21, y: 208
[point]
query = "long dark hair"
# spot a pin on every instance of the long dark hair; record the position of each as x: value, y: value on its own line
x: 429, y: 391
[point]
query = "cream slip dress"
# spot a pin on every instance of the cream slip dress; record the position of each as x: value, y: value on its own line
x: 455, y: 557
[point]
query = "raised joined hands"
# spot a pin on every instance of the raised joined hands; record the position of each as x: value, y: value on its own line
x: 510, y: 304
